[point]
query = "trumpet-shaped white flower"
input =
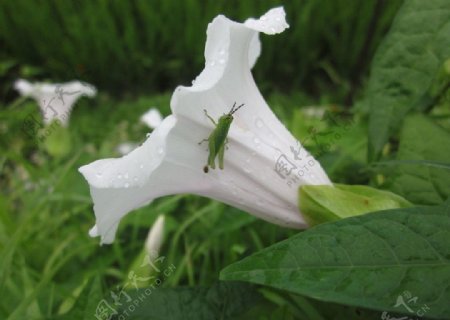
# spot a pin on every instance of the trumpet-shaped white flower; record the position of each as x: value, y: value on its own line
x: 55, y: 100
x: 152, y: 118
x: 264, y: 164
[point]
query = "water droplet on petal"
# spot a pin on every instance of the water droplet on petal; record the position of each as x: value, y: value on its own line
x: 141, y: 166
x: 222, y: 61
x: 127, y: 185
x: 256, y: 140
x: 222, y: 52
x: 99, y: 174
x: 126, y: 175
x: 212, y: 63
x: 160, y: 150
x: 135, y: 178
x: 119, y: 176
x: 259, y: 123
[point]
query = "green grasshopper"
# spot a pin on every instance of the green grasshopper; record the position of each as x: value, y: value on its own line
x: 217, y: 140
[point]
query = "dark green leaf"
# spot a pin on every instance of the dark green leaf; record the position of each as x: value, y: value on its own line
x: 367, y: 261
x: 406, y: 66
x: 422, y: 183
x: 221, y: 301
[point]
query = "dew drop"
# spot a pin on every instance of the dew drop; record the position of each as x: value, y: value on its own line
x: 99, y: 174
x: 160, y: 150
x: 126, y: 175
x: 127, y: 185
x: 135, y: 178
x: 222, y: 52
x: 213, y: 63
x: 256, y: 140
x: 141, y: 166
x: 259, y: 123
x: 119, y: 176
x: 222, y: 61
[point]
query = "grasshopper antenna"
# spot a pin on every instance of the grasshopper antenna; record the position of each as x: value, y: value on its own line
x: 234, y: 108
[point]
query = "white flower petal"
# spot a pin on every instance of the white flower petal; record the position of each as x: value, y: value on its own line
x: 93, y: 232
x: 254, y: 50
x: 264, y: 164
x: 152, y: 118
x: 273, y: 22
x: 55, y: 100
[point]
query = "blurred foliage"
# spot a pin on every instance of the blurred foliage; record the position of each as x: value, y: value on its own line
x: 124, y: 46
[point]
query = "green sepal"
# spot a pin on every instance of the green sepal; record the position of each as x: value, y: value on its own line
x: 324, y: 203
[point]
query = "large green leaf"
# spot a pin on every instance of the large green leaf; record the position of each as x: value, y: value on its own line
x: 221, y: 301
x: 406, y: 66
x: 416, y: 174
x: 366, y: 261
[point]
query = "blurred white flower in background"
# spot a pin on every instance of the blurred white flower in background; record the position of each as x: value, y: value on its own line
x: 264, y: 164
x: 152, y: 119
x: 55, y: 100
x: 126, y: 147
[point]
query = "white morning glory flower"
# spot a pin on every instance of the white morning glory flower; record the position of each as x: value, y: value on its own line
x: 55, y: 100
x: 264, y: 164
